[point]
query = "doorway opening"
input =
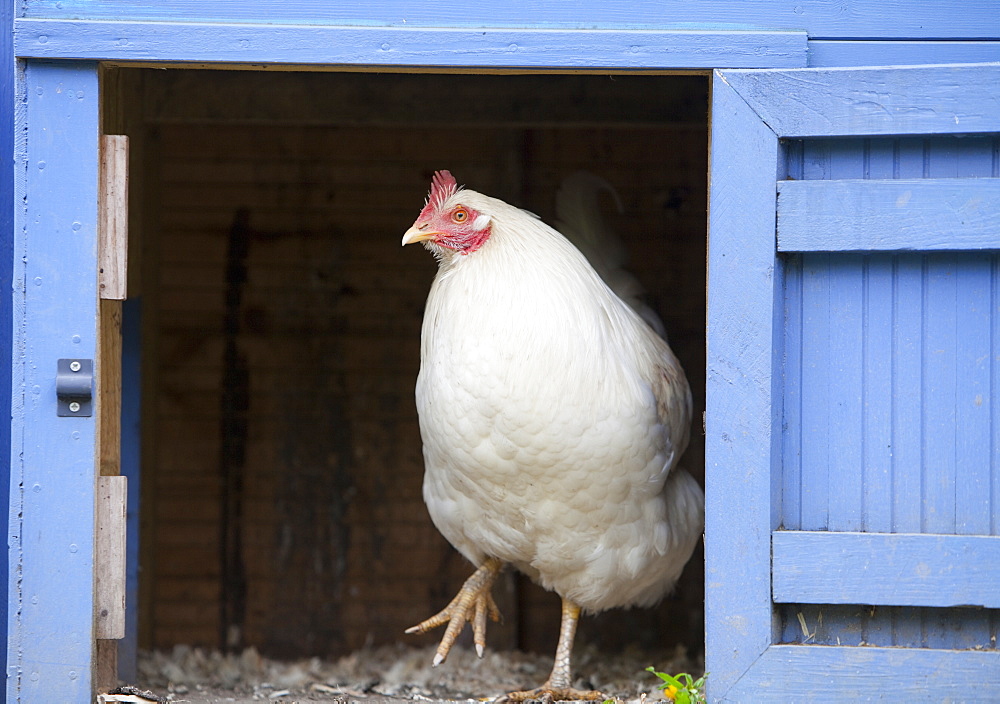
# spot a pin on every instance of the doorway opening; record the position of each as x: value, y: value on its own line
x: 281, y: 462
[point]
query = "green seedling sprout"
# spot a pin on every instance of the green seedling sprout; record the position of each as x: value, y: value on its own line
x: 682, y: 688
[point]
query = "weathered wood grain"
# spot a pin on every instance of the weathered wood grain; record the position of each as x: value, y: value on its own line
x: 109, y: 558
x: 112, y: 206
x: 109, y: 380
x: 884, y: 215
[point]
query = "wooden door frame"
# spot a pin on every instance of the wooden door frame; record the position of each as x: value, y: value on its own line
x: 751, y: 111
x: 51, y: 625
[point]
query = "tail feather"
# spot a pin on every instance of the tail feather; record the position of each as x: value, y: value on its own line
x: 580, y: 220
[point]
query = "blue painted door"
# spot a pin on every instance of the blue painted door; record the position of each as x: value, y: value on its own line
x: 853, y: 424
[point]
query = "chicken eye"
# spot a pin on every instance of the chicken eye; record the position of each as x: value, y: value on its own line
x: 460, y: 215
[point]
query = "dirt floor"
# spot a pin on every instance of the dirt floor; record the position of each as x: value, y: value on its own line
x: 392, y: 674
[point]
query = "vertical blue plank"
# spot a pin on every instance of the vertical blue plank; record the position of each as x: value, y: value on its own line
x: 742, y: 448
x: 995, y: 383
x: 815, y: 159
x: 972, y: 465
x: 815, y: 414
x: 845, y: 357
x: 131, y: 426
x: 973, y: 432
x: 876, y: 479
x: 791, y: 446
x: 791, y: 443
x: 907, y: 457
x: 941, y: 390
x: 848, y: 159
x: 879, y: 400
x: 51, y: 646
x: 879, y: 159
x: 7, y: 82
x: 995, y: 170
x: 910, y: 158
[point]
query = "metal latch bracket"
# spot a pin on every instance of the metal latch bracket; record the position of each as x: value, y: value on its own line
x: 75, y: 387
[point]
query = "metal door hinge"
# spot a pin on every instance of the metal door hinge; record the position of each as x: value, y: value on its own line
x: 75, y: 387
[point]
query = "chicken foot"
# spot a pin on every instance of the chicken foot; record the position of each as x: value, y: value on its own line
x: 472, y: 604
x: 557, y: 687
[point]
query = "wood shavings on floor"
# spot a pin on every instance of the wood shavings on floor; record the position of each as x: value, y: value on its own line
x: 393, y: 674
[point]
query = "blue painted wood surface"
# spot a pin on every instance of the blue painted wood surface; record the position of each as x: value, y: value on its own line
x: 904, y: 569
x: 852, y: 52
x: 7, y: 293
x: 890, y: 19
x: 408, y: 46
x: 927, y: 419
x: 887, y: 214
x: 743, y: 406
x: 888, y: 363
x: 796, y: 674
x: 833, y: 102
x: 51, y: 637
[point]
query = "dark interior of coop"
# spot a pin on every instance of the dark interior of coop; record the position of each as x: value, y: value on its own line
x: 281, y: 462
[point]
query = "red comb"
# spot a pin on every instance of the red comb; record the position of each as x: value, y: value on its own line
x: 443, y: 186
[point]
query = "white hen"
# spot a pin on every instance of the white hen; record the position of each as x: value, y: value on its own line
x: 552, y: 418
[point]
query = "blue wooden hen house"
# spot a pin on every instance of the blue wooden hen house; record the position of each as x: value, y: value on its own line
x: 851, y: 381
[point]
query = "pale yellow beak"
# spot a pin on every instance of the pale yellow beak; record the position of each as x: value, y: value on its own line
x: 415, y: 234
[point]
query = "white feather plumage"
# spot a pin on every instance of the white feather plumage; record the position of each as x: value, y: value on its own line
x: 552, y: 418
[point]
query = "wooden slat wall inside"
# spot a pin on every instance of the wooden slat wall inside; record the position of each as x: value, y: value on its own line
x: 338, y: 549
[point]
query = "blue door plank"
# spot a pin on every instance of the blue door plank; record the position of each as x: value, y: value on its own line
x: 463, y: 47
x: 881, y: 158
x: 791, y: 461
x: 878, y: 398
x: 908, y: 392
x: 51, y: 638
x: 904, y: 569
x: 859, y: 214
x: 844, y: 357
x: 846, y: 363
x: 940, y: 389
x: 867, y: 102
x: 743, y: 416
x: 973, y: 323
x: 994, y: 528
x: 972, y: 430
x: 816, y: 409
x: 878, y: 162
x: 801, y: 674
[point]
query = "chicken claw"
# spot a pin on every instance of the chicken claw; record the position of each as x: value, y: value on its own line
x: 557, y: 686
x: 547, y: 693
x: 472, y: 603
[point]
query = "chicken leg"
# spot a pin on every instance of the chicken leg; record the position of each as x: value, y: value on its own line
x: 472, y: 603
x: 557, y: 687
